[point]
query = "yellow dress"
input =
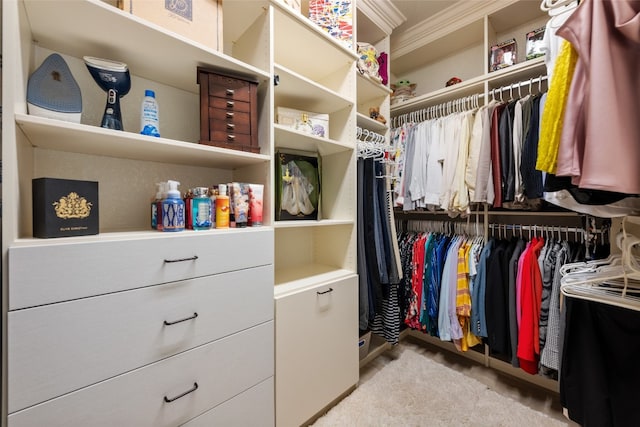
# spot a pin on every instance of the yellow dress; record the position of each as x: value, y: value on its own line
x: 553, y: 113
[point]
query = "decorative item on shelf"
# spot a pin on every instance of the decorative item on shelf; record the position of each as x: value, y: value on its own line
x: 52, y: 91
x: 198, y: 20
x: 453, y: 81
x: 64, y: 207
x: 503, y: 55
x: 402, y: 91
x: 239, y: 203
x: 367, y: 61
x: 112, y: 77
x: 374, y: 113
x: 228, y: 111
x: 535, y: 43
x: 304, y: 121
x: 297, y: 185
x: 383, y: 62
x: 256, y: 194
x: 335, y: 17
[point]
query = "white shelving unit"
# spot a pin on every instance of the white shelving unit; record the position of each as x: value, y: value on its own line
x: 115, y: 285
x: 315, y: 260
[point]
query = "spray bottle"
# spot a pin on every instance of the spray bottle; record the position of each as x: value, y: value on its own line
x: 173, y: 209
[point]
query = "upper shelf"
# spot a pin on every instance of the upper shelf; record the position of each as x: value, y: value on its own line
x: 294, y: 34
x: 150, y: 51
x: 78, y: 138
x: 370, y: 89
x: 289, y: 138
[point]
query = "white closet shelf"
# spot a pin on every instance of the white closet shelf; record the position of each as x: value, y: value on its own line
x: 79, y: 138
x: 302, y: 277
x: 295, y: 33
x: 367, y: 122
x: 292, y: 139
x: 125, y: 236
x: 311, y: 223
x: 297, y: 91
x: 142, y: 45
x: 369, y: 88
x: 520, y: 72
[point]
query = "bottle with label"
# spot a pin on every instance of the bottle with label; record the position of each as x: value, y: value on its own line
x: 150, y: 115
x: 163, y: 195
x: 173, y: 209
x: 201, y: 208
x: 154, y: 206
x: 222, y: 207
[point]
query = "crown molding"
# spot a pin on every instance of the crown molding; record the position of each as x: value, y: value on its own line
x: 383, y: 13
x: 457, y: 16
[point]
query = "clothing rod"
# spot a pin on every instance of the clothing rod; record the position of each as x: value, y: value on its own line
x: 546, y: 228
x: 522, y: 83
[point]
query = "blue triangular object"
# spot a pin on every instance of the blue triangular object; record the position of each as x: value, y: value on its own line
x: 53, y: 87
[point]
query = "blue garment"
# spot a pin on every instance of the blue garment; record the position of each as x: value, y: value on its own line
x: 478, y: 318
x: 436, y: 279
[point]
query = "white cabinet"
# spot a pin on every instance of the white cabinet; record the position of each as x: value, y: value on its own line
x: 119, y: 327
x: 317, y: 343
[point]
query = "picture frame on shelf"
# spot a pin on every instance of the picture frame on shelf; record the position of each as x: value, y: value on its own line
x: 535, y: 43
x: 298, y: 187
x: 503, y: 54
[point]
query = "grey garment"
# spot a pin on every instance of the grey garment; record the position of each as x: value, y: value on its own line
x: 526, y: 116
x: 552, y: 351
x: 548, y: 273
x: 513, y: 317
x: 408, y: 168
x: 378, y: 226
x: 363, y: 282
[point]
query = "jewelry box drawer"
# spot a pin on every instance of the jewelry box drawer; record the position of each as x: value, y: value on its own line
x: 225, y: 121
x: 53, y: 272
x: 166, y: 393
x: 229, y: 105
x: 230, y: 88
x: 58, y: 348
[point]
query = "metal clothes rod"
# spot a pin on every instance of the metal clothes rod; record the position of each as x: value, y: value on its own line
x: 522, y: 83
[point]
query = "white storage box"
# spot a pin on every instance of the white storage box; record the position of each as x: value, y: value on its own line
x: 304, y: 121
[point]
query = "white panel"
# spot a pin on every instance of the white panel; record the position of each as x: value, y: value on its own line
x: 77, y: 268
x: 316, y: 349
x: 254, y: 407
x: 221, y: 370
x: 58, y: 348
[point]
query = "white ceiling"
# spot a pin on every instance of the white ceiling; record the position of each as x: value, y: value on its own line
x: 417, y: 11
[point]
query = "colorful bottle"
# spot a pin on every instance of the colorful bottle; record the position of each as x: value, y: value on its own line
x: 222, y: 207
x: 201, y: 209
x: 150, y: 115
x: 154, y: 206
x: 173, y: 209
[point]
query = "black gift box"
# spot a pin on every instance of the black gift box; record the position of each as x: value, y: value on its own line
x: 64, y: 207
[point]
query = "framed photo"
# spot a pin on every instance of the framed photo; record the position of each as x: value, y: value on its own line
x: 503, y: 55
x: 297, y: 186
x: 535, y: 43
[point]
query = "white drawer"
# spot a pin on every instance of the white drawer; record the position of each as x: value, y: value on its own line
x: 316, y: 348
x: 58, y: 348
x: 53, y: 272
x: 253, y: 408
x: 221, y: 370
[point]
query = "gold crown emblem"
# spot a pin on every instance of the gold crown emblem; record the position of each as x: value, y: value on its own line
x: 72, y: 206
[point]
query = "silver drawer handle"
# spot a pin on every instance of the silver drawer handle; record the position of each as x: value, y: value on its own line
x: 181, y: 320
x: 230, y: 92
x: 230, y: 104
x: 231, y: 137
x: 230, y: 114
x: 194, y: 388
x: 325, y: 292
x: 193, y: 258
x: 231, y: 126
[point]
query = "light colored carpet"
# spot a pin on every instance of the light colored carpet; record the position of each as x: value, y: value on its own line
x: 414, y: 390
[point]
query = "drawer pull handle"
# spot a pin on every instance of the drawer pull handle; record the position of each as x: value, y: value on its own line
x: 181, y: 320
x: 230, y: 104
x: 191, y: 390
x: 231, y: 126
x: 230, y: 114
x: 231, y: 137
x: 325, y: 292
x: 192, y: 258
x: 230, y: 92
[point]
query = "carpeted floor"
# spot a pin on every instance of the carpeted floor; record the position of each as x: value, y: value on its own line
x: 413, y: 388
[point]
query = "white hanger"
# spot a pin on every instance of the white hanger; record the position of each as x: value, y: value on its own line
x: 548, y: 5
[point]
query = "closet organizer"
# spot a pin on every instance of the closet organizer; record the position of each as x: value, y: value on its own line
x: 513, y: 153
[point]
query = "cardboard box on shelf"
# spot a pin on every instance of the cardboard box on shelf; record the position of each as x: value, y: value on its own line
x: 198, y: 20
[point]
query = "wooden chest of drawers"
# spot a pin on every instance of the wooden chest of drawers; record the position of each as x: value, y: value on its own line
x: 228, y: 111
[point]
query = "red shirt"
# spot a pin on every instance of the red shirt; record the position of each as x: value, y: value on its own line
x: 530, y: 300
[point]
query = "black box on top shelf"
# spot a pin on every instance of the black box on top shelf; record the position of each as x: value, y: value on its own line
x: 64, y: 207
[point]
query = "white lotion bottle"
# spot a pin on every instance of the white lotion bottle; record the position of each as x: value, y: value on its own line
x: 150, y: 115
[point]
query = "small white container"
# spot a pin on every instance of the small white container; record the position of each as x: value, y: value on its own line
x: 150, y: 115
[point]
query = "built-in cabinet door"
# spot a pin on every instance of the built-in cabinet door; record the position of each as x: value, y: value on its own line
x: 316, y: 348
